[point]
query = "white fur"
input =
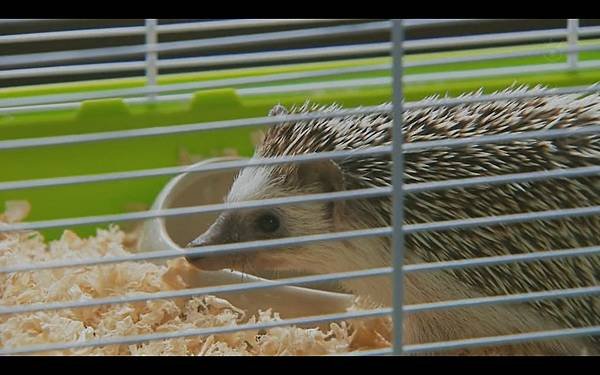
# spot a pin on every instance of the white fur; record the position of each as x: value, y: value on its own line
x: 250, y: 184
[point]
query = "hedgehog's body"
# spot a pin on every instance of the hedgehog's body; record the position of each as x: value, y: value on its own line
x: 469, y: 120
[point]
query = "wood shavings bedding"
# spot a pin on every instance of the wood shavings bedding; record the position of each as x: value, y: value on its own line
x: 90, y: 282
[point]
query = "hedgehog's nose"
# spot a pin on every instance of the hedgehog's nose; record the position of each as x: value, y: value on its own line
x: 207, y: 262
x: 200, y: 241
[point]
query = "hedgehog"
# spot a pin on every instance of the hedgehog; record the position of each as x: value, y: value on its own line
x: 427, y: 124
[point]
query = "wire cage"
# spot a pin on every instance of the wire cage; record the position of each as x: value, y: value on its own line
x: 96, y: 120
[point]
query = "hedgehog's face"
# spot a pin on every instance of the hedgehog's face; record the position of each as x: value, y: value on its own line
x: 273, y: 222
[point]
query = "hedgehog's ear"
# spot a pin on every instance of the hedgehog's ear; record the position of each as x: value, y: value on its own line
x: 323, y: 172
x: 329, y: 177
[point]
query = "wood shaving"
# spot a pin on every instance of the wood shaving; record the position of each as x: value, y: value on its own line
x: 80, y: 283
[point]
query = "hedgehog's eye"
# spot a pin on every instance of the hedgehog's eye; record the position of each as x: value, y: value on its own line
x: 268, y: 223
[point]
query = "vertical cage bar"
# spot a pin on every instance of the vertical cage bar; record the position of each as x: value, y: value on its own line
x: 151, y: 54
x: 572, y: 37
x: 397, y: 186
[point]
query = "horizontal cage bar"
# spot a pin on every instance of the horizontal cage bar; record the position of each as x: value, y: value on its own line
x: 183, y: 211
x: 504, y: 340
x: 269, y: 121
x: 196, y: 332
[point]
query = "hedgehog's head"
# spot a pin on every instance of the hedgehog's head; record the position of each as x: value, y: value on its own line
x: 273, y: 222
x: 290, y: 220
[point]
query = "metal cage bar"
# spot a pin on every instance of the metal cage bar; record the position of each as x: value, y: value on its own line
x: 269, y: 121
x: 397, y: 188
x: 11, y: 105
x: 269, y: 244
x: 134, y: 339
x: 447, y: 345
x: 198, y: 44
x: 277, y: 56
x: 190, y: 210
x: 139, y: 30
x: 151, y: 55
x: 135, y: 50
x: 572, y: 37
x: 333, y: 155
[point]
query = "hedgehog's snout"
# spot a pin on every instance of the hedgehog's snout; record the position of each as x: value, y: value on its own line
x: 213, y: 236
x: 203, y: 240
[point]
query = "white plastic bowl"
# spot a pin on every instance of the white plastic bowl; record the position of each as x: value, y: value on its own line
x: 172, y: 233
